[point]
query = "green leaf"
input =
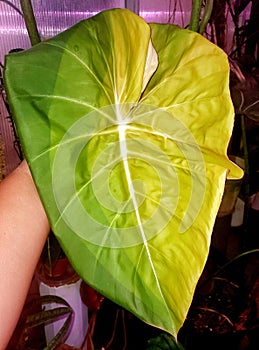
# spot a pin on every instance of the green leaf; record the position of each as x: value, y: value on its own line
x: 126, y: 139
x: 163, y: 342
x: 48, y: 316
x: 246, y: 101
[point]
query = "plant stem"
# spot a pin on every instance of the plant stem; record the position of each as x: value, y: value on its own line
x: 132, y: 5
x: 253, y: 251
x: 206, y: 16
x: 30, y: 21
x: 195, y: 15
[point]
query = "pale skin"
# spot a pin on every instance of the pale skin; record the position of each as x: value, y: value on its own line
x: 24, y: 228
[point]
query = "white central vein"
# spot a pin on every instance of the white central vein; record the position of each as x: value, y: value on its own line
x: 124, y: 155
x: 122, y: 127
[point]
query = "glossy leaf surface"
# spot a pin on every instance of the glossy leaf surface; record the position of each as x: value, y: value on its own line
x: 126, y: 139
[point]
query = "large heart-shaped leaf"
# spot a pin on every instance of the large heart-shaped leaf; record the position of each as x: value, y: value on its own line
x: 125, y: 126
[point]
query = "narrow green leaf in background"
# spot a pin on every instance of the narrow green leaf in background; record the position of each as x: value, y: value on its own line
x: 125, y: 126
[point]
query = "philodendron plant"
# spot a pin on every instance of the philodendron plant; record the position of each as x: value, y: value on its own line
x: 125, y: 127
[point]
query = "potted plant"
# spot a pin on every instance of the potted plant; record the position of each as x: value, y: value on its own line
x: 142, y: 246
x: 244, y: 93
